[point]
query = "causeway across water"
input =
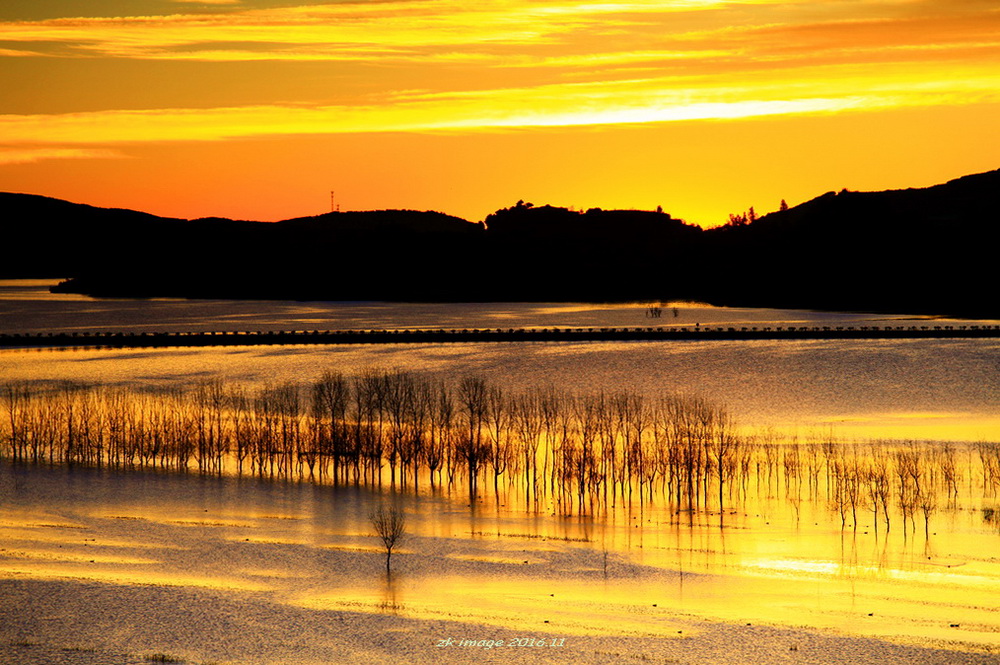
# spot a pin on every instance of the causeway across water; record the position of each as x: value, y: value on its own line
x: 433, y: 336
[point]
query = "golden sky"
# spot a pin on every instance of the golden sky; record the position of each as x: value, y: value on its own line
x: 258, y: 108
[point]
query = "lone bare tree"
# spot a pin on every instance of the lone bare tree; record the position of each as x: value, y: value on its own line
x: 389, y: 523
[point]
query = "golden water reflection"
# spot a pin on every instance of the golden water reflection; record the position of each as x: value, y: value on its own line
x: 640, y: 570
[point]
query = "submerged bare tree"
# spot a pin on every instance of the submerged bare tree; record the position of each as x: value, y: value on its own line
x: 389, y: 523
x: 472, y: 395
x: 563, y: 451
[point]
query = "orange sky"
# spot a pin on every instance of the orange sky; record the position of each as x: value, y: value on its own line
x: 258, y: 108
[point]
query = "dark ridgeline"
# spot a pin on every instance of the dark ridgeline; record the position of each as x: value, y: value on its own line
x: 45, y: 237
x: 384, y: 255
x: 915, y: 250
x: 549, y: 253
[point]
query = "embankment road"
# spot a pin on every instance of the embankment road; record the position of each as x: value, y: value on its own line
x: 433, y: 336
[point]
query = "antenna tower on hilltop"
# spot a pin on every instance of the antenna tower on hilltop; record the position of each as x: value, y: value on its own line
x: 334, y: 206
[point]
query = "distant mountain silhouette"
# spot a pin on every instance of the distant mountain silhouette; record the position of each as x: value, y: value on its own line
x: 549, y: 253
x: 916, y: 250
x: 48, y: 237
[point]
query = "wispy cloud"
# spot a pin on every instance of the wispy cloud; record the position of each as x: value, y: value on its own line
x: 590, y: 63
x: 571, y: 104
x: 20, y: 155
x: 325, y: 31
x: 519, y: 32
x: 16, y: 53
x: 717, y: 37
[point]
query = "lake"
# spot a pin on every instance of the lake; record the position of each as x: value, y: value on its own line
x: 900, y: 389
x: 781, y: 548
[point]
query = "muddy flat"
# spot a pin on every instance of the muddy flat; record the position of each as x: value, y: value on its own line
x: 97, y: 567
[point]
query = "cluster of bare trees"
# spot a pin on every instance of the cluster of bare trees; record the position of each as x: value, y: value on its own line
x: 989, y: 459
x: 913, y: 477
x: 103, y: 426
x: 578, y: 452
x: 577, y: 449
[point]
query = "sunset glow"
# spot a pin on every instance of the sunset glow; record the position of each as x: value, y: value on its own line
x: 258, y: 108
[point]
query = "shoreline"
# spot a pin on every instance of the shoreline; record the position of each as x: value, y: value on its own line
x: 100, y: 568
x: 194, y: 626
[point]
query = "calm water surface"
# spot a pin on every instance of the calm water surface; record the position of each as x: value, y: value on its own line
x: 310, y: 545
x: 26, y: 306
x: 904, y: 389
